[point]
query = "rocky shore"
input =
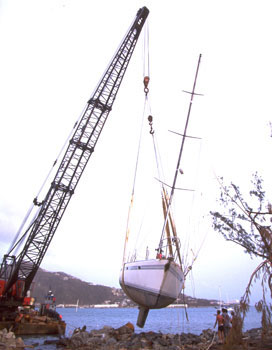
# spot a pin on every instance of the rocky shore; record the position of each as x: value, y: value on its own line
x: 9, y: 341
x: 124, y: 338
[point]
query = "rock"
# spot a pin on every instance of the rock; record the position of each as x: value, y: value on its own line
x: 8, y: 340
x: 111, y: 341
x: 159, y: 347
x: 163, y: 341
x: 63, y: 342
x: 146, y: 343
x: 48, y: 342
x: 19, y: 343
x: 174, y: 347
x: 10, y: 335
x: 35, y: 344
x: 95, y: 341
x: 207, y: 333
x: 124, y: 338
x: 77, y: 340
x: 127, y: 328
x: 135, y: 341
x: 104, y: 332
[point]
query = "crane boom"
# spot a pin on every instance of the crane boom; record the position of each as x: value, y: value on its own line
x: 23, y: 268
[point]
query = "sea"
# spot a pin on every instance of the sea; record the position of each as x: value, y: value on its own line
x: 167, y: 320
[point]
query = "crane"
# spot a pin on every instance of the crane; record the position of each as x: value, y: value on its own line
x: 18, y: 272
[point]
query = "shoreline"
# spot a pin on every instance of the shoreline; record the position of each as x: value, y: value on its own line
x: 117, y: 306
x: 167, y: 320
x: 124, y: 337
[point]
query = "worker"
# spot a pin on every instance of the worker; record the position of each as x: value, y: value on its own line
x: 19, y: 315
x: 227, y: 323
x: 220, y: 321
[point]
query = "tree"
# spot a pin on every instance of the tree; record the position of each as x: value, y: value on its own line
x: 247, y: 222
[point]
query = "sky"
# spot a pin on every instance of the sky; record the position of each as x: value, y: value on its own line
x: 53, y: 54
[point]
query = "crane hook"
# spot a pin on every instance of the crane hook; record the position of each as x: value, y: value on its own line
x: 146, y: 82
x: 150, y: 120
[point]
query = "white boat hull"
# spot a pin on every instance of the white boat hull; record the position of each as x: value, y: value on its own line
x: 152, y: 284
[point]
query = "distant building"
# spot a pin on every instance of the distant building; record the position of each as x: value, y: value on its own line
x: 100, y: 306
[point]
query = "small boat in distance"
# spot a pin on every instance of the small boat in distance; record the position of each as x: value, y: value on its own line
x: 155, y: 283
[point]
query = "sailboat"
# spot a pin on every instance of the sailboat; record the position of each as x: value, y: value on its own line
x: 157, y: 282
x: 154, y: 283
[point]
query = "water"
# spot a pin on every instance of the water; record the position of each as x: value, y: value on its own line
x: 168, y: 320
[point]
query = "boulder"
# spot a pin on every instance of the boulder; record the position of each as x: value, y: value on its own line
x: 8, y: 340
x: 124, y: 338
x: 128, y: 328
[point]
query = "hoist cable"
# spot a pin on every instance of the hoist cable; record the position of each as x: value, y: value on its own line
x: 18, y: 233
x: 134, y: 183
x: 145, y: 54
x: 58, y: 156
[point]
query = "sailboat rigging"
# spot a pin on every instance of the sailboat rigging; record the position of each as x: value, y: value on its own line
x: 154, y: 283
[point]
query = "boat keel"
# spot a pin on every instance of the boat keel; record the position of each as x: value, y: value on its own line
x: 143, y: 313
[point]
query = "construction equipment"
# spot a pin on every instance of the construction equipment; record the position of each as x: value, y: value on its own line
x: 18, y: 272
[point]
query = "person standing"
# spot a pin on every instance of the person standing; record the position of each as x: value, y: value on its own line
x: 220, y: 321
x: 227, y: 322
x: 232, y: 319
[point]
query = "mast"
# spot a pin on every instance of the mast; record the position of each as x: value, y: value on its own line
x: 180, y: 154
x: 81, y: 147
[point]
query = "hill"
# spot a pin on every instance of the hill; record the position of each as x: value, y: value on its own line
x: 69, y: 289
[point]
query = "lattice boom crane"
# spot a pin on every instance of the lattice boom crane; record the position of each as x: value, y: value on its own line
x: 18, y: 272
